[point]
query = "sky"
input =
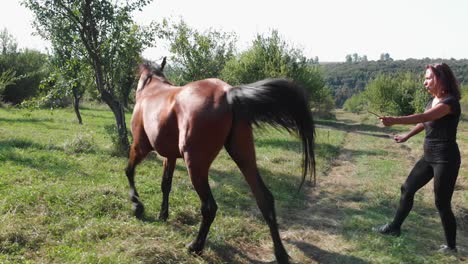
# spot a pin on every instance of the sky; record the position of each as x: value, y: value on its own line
x: 327, y: 29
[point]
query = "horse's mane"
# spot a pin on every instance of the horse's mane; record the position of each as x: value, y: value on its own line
x: 152, y: 69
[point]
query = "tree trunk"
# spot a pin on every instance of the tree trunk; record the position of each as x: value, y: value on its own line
x: 115, y: 106
x: 119, y: 115
x: 127, y: 88
x: 76, y: 105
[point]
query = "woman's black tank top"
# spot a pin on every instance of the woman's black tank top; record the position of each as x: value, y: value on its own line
x: 440, y: 144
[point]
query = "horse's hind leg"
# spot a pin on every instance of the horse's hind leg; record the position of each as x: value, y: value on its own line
x: 241, y: 148
x: 198, y: 172
x: 138, y: 152
x: 166, y: 183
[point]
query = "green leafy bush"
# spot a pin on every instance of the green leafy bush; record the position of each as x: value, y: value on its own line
x: 357, y: 103
x: 397, y: 94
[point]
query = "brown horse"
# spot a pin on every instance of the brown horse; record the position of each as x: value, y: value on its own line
x: 196, y: 120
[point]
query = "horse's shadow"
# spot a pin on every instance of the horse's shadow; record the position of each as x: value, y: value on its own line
x: 229, y: 254
x: 358, y: 128
x: 322, y: 256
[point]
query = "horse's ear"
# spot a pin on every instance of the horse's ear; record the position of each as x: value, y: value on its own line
x: 163, y: 63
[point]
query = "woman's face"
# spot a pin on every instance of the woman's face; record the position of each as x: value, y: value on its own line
x: 430, y: 82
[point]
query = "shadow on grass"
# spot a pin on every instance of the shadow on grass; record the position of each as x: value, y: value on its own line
x: 76, y: 148
x: 234, y: 194
x: 98, y: 113
x: 353, y: 127
x: 43, y: 161
x: 422, y: 231
x: 322, y: 256
x: 56, y: 166
x: 44, y: 123
x: 325, y: 149
x: 230, y: 253
x: 292, y: 144
x: 25, y: 144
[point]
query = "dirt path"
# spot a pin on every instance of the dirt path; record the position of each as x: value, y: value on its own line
x: 320, y: 240
x: 316, y: 241
x: 315, y: 233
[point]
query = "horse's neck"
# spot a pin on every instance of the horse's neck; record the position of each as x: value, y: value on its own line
x: 141, y: 82
x: 152, y: 87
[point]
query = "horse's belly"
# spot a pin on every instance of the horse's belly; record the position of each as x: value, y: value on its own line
x: 165, y: 143
x: 168, y: 149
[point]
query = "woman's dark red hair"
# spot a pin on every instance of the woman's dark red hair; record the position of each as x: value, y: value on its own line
x: 445, y: 76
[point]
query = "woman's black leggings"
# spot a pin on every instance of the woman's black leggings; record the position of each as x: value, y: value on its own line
x: 445, y: 176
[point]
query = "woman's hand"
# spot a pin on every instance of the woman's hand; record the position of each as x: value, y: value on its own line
x: 387, y: 120
x: 400, y: 138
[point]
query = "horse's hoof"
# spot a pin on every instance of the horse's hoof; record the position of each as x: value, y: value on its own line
x: 283, y: 259
x: 163, y: 216
x: 195, y: 248
x: 138, y: 210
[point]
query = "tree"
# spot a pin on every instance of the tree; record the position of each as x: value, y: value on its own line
x: 20, y: 71
x: 7, y: 77
x: 197, y: 55
x: 395, y: 94
x: 316, y: 60
x: 29, y: 69
x: 69, y: 78
x: 356, y: 57
x: 105, y: 35
x: 271, y: 57
x: 356, y: 103
x: 9, y: 46
x: 385, y: 57
x: 72, y: 73
x: 8, y: 43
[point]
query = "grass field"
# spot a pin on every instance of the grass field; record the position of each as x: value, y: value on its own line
x: 64, y: 197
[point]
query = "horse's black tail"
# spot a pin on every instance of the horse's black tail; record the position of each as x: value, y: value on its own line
x: 278, y: 102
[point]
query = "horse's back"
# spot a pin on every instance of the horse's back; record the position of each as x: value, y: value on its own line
x: 207, y: 93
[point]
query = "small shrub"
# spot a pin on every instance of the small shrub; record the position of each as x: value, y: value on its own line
x: 81, y: 143
x: 117, y: 150
x: 357, y: 103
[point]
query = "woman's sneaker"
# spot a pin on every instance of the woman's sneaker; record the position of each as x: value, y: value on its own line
x: 387, y: 229
x: 447, y: 250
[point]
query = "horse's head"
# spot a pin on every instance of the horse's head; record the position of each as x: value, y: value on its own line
x: 149, y: 70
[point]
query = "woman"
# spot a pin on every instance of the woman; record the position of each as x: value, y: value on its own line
x: 441, y: 159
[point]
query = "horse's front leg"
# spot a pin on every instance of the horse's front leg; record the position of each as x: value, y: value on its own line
x: 166, y: 183
x: 137, y: 154
x: 138, y: 207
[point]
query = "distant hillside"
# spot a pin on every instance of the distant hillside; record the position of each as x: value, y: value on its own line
x: 346, y: 79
